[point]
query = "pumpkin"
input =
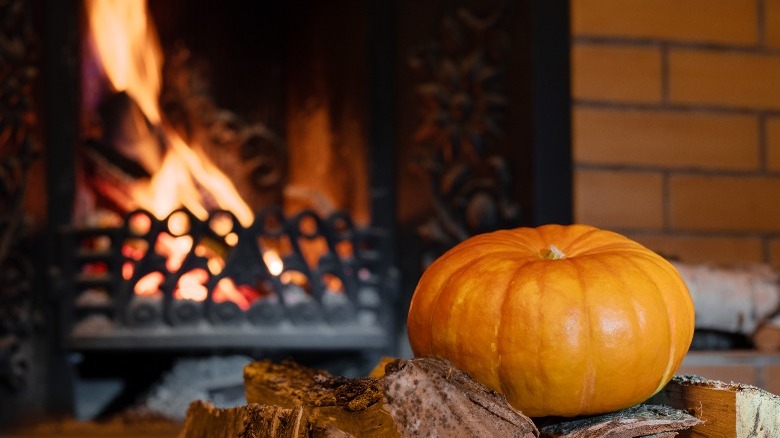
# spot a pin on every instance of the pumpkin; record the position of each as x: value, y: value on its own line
x: 564, y: 320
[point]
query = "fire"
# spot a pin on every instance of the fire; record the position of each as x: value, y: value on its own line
x: 125, y: 41
x: 191, y: 286
x: 274, y: 262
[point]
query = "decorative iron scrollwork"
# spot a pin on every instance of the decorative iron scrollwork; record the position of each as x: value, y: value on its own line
x: 18, y: 149
x: 301, y: 281
x: 463, y: 105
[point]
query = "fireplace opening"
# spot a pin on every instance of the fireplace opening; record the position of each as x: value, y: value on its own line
x: 232, y: 180
x: 193, y: 214
x: 218, y: 208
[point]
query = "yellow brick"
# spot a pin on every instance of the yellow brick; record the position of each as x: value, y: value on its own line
x: 722, y: 21
x: 618, y: 73
x: 773, y: 143
x: 772, y: 22
x: 617, y: 199
x: 698, y: 202
x: 671, y: 139
x: 724, y: 78
x: 696, y: 249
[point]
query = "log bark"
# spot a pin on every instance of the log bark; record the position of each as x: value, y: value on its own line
x: 431, y: 397
x: 640, y: 420
x: 726, y: 409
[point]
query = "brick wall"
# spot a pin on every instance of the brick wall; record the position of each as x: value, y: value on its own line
x: 676, y: 122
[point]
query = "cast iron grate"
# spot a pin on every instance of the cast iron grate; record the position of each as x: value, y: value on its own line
x: 329, y: 288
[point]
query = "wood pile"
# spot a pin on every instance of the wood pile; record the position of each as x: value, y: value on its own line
x: 430, y: 397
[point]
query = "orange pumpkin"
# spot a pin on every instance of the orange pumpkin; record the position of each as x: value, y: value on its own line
x: 563, y: 320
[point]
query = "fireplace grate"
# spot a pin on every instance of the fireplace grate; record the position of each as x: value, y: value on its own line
x: 292, y: 282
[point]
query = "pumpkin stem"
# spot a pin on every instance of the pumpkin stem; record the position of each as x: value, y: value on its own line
x: 552, y: 253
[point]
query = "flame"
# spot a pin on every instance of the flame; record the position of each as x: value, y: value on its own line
x: 127, y: 45
x: 125, y: 42
x: 149, y: 284
x: 274, y: 262
x: 191, y: 286
x: 242, y: 295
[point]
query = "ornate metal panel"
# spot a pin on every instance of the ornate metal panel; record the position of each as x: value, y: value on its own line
x: 18, y: 149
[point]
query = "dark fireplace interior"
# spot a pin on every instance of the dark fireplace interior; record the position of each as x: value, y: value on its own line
x: 278, y: 196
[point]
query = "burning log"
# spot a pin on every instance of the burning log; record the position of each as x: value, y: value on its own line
x: 133, y: 139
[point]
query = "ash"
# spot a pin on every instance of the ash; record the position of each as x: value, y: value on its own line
x: 216, y: 379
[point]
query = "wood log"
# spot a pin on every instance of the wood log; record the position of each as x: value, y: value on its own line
x: 640, y: 420
x: 204, y: 420
x: 727, y: 409
x: 405, y: 398
x: 415, y: 397
x: 431, y: 397
x: 352, y: 405
x: 253, y: 421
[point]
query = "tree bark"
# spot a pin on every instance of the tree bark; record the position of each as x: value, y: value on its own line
x: 640, y: 420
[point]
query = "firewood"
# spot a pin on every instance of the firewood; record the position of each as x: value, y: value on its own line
x: 431, y: 397
x: 355, y: 406
x: 252, y: 421
x: 407, y: 398
x: 204, y: 420
x: 640, y: 420
x: 414, y: 398
x: 727, y: 409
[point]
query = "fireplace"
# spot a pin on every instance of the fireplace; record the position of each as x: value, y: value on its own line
x: 215, y: 216
x: 363, y: 141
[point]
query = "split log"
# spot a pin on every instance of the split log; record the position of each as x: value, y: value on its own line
x: 414, y: 398
x: 640, y: 420
x: 733, y: 299
x: 727, y: 409
x: 252, y: 421
x: 406, y: 398
x: 353, y: 405
x: 430, y: 397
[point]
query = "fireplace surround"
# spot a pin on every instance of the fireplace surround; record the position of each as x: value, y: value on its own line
x: 464, y: 116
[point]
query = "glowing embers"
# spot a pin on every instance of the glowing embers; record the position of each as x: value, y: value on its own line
x: 300, y: 271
